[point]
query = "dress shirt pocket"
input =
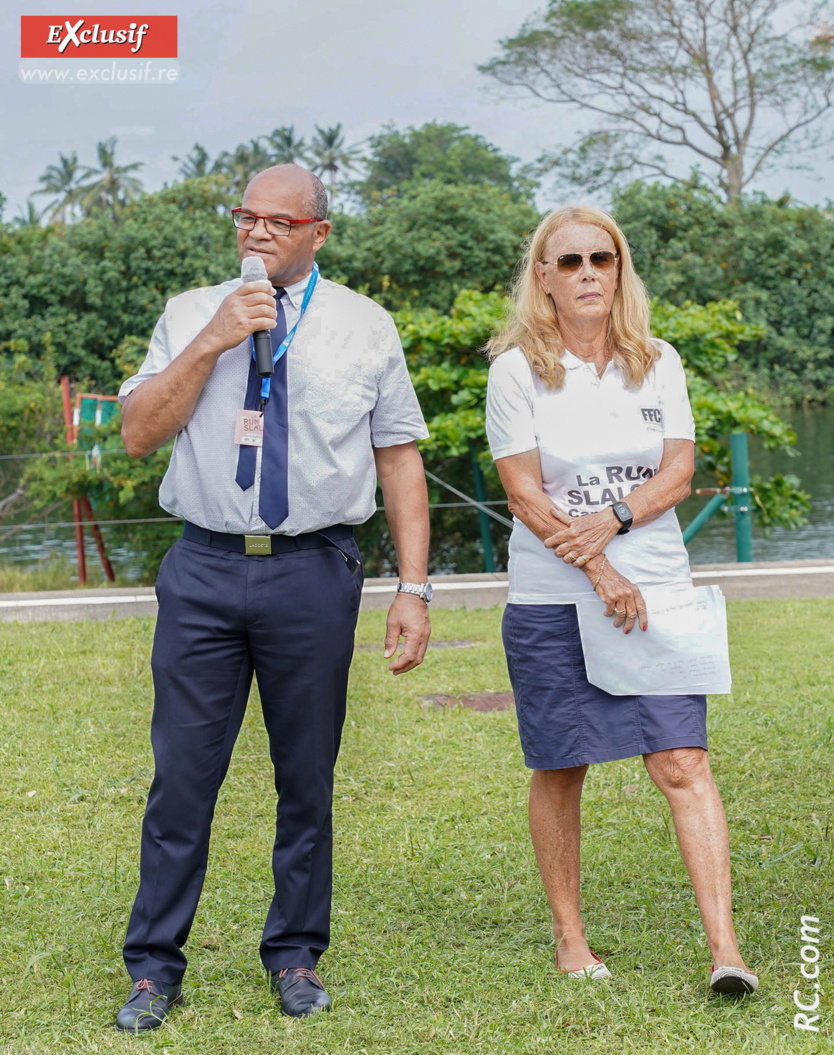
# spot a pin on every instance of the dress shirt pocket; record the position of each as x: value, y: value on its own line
x: 337, y: 394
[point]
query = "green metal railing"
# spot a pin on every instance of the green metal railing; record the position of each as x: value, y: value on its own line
x: 742, y: 506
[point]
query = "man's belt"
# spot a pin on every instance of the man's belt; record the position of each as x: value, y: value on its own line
x: 267, y: 545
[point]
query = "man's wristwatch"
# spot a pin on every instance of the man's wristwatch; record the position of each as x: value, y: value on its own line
x: 624, y: 515
x: 420, y: 589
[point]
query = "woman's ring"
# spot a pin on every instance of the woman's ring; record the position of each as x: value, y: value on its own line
x: 582, y: 558
x: 618, y: 611
x: 570, y: 557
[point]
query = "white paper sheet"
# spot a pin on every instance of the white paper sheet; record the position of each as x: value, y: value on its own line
x: 683, y: 651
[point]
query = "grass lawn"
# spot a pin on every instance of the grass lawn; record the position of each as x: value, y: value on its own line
x: 441, y: 934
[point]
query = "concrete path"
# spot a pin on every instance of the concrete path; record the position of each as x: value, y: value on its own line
x: 769, y: 580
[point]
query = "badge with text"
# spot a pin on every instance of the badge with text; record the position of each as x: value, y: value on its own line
x: 249, y: 428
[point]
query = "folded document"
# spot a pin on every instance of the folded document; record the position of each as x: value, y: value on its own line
x: 683, y: 651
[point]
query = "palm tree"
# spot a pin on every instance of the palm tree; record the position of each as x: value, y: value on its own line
x: 115, y: 187
x: 65, y: 180
x: 240, y: 166
x: 283, y: 146
x: 329, y: 154
x: 196, y: 164
x: 30, y: 218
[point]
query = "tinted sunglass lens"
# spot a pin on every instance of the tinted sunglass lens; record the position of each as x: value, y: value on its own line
x: 569, y: 262
x: 602, y: 261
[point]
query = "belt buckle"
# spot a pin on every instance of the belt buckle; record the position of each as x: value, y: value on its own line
x: 257, y: 544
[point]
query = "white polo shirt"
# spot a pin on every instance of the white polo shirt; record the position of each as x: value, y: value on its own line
x: 598, y: 440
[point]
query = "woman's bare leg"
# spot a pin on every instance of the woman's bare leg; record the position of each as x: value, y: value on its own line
x: 683, y: 775
x: 555, y: 827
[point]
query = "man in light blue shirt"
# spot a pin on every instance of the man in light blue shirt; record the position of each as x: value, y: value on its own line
x: 267, y: 572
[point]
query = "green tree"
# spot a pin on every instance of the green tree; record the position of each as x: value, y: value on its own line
x: 30, y: 218
x: 437, y: 151
x: 196, y: 164
x: 329, y: 155
x: 242, y: 164
x: 775, y: 258
x: 431, y: 240
x: 119, y: 488
x: 708, y: 338
x: 92, y: 284
x: 285, y: 147
x: 31, y: 418
x: 734, y: 86
x: 64, y: 180
x: 113, y: 186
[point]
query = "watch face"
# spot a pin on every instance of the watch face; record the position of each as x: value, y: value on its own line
x: 622, y: 512
x: 428, y: 592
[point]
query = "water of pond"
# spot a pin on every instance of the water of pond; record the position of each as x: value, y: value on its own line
x: 813, y: 464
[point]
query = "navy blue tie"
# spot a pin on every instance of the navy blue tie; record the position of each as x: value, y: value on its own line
x: 274, y: 505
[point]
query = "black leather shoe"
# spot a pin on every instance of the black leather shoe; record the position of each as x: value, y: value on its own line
x: 147, y: 1006
x: 300, y: 992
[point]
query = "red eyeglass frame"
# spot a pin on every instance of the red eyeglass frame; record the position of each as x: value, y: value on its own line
x: 279, y: 219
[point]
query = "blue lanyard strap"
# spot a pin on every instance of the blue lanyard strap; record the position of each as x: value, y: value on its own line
x: 266, y: 382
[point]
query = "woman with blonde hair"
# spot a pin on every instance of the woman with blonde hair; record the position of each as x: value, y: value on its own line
x: 591, y: 430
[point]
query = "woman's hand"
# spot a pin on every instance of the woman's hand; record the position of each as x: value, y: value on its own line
x: 622, y: 598
x: 580, y: 539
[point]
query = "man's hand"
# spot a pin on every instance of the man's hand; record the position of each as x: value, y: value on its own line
x: 248, y: 309
x: 408, y: 617
x: 162, y: 406
x: 579, y: 537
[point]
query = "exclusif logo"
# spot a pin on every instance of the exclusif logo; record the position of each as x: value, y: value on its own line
x: 93, y: 36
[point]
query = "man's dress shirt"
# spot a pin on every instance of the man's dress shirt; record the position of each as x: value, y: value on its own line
x: 348, y: 391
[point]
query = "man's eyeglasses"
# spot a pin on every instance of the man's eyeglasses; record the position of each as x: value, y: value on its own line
x: 570, y: 263
x: 278, y: 228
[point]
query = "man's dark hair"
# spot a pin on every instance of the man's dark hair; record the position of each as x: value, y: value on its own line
x: 317, y: 202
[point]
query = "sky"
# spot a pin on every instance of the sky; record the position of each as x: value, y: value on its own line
x: 247, y: 68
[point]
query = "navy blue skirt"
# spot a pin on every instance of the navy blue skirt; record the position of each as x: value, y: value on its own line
x: 565, y: 721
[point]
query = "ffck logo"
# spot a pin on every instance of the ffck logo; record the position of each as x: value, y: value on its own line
x: 91, y: 36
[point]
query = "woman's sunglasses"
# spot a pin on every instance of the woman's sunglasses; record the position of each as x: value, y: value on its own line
x: 570, y: 263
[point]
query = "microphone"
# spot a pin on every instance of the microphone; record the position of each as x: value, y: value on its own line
x: 253, y: 269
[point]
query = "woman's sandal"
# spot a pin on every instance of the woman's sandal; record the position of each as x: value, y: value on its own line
x: 596, y: 972
x: 732, y: 981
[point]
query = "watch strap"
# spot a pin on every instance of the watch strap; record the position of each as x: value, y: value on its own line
x: 419, y: 589
x: 625, y: 516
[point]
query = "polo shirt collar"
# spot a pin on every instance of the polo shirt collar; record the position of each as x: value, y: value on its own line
x: 573, y: 362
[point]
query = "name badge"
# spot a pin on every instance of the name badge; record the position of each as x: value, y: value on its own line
x: 249, y: 428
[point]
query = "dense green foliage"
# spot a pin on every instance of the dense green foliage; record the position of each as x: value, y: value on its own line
x: 432, y: 239
x: 774, y: 258
x: 442, y: 941
x: 88, y: 285
x: 436, y: 151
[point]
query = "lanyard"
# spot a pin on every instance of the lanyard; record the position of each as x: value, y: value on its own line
x: 266, y: 382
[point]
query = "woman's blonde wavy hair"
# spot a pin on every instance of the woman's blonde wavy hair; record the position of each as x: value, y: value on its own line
x: 533, y: 325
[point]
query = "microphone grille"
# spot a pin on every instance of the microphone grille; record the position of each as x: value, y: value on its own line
x: 253, y: 269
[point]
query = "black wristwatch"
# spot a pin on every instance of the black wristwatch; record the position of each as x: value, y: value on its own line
x: 624, y: 515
